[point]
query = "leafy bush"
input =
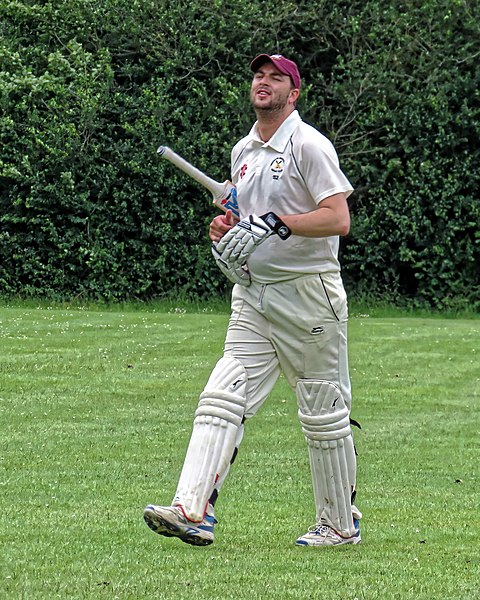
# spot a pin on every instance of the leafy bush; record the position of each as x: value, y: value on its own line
x: 89, y: 90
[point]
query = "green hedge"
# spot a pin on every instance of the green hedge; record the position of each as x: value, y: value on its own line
x: 88, y: 90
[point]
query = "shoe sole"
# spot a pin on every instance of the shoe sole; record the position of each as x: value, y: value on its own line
x: 353, y: 541
x: 163, y: 527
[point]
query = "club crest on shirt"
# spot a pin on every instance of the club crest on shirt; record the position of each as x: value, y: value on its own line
x: 277, y: 166
x: 243, y: 170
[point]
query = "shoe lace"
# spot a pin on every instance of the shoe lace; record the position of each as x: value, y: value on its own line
x: 320, y: 529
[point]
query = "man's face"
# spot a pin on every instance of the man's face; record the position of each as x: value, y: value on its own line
x: 271, y: 90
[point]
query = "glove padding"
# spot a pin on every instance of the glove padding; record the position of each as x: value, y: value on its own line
x: 240, y: 241
x: 234, y: 272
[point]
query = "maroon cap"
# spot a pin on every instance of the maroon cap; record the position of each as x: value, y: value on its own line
x: 284, y: 65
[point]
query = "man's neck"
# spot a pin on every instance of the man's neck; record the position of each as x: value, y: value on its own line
x: 269, y: 122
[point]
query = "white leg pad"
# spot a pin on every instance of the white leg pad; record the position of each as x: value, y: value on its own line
x: 217, y: 421
x: 325, y: 420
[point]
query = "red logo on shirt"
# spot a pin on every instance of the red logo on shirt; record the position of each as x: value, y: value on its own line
x: 243, y: 170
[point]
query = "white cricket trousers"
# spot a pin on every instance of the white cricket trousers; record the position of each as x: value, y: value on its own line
x: 298, y: 327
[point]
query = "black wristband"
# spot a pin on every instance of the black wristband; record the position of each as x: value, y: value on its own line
x: 277, y: 225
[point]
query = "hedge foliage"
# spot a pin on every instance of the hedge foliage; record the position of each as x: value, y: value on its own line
x: 89, y: 89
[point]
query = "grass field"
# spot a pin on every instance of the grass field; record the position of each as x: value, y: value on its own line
x: 96, y: 408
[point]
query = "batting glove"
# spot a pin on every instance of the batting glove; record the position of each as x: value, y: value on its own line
x: 234, y: 272
x: 240, y: 242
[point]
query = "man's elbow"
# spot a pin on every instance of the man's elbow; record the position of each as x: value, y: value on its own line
x: 344, y: 226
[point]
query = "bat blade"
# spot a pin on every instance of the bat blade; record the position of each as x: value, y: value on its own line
x: 224, y: 194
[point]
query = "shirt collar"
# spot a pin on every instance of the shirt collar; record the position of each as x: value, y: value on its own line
x: 280, y: 138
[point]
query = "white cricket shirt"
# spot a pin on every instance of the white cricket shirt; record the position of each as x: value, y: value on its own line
x: 291, y: 173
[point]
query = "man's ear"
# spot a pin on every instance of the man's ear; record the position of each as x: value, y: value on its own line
x: 294, y: 94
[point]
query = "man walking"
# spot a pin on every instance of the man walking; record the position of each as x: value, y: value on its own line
x: 289, y: 314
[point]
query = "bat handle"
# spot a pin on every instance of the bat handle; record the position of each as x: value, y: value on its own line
x: 161, y: 150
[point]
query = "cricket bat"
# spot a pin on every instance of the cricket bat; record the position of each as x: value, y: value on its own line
x: 224, y: 194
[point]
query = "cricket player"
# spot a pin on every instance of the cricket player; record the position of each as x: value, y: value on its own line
x: 289, y: 314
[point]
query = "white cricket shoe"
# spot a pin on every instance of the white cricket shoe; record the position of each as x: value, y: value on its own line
x: 170, y: 521
x: 323, y: 535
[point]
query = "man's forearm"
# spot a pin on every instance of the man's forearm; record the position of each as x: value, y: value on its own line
x: 332, y: 217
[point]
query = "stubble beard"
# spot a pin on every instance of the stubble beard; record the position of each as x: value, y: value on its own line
x: 275, y: 107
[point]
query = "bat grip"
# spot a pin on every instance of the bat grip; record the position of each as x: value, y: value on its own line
x: 161, y: 150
